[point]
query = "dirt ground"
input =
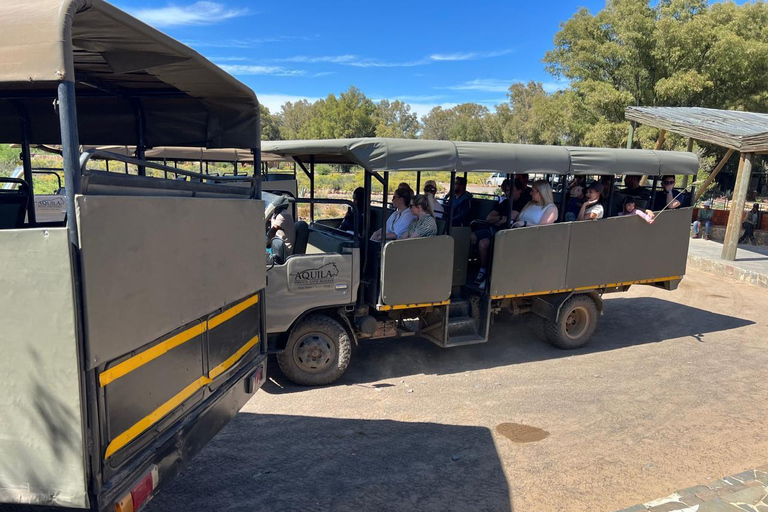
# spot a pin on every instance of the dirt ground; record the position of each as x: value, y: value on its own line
x: 670, y: 393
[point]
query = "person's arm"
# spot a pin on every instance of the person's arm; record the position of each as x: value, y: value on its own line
x: 672, y: 203
x: 647, y: 215
x: 583, y: 210
x: 493, y: 217
x: 376, y: 235
x: 549, y: 216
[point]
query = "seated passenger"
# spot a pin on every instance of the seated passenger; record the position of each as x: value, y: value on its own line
x: 574, y: 203
x: 634, y: 189
x: 401, y: 218
x: 497, y: 219
x: 628, y: 208
x: 424, y: 224
x: 541, y: 210
x: 667, y: 197
x: 462, y: 202
x: 430, y: 189
x: 593, y: 208
x: 406, y: 186
x: 704, y: 217
x: 348, y: 224
x: 282, y: 226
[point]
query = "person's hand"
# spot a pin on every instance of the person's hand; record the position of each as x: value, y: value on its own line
x: 650, y: 214
x: 518, y: 224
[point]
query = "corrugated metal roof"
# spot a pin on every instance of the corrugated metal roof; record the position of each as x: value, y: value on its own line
x: 743, y: 131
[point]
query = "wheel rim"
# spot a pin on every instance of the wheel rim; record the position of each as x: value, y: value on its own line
x: 577, y: 322
x: 314, y: 353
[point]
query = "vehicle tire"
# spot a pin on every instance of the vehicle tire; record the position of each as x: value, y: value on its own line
x: 317, y: 352
x: 577, y: 323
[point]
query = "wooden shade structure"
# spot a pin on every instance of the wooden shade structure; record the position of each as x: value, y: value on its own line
x: 745, y: 132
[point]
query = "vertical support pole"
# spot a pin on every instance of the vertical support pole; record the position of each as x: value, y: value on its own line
x: 26, y: 160
x: 70, y: 150
x: 256, y: 152
x: 418, y: 182
x: 312, y: 188
x: 690, y: 150
x: 510, y: 192
x: 106, y: 162
x: 450, y: 204
x: 140, y: 136
x: 235, y: 166
x: 631, y: 136
x: 657, y: 147
x: 564, y: 196
x: 366, y: 228
x: 733, y: 229
x: 609, y: 198
x: 165, y: 163
x: 385, y: 193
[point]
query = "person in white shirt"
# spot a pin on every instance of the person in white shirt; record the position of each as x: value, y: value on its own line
x: 593, y: 208
x: 541, y: 210
x: 401, y: 218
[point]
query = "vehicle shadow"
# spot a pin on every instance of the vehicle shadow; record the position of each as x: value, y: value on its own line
x: 278, y: 463
x: 626, y: 322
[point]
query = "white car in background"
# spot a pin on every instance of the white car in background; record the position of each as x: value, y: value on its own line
x: 495, y: 179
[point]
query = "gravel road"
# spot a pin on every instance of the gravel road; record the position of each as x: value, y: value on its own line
x: 670, y: 393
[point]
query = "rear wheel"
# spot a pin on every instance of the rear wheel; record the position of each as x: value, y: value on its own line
x: 577, y: 323
x: 317, y: 352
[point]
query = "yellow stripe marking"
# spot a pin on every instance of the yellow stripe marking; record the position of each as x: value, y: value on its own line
x: 232, y: 312
x: 150, y: 354
x: 582, y: 288
x: 127, y: 366
x: 156, y: 415
x: 215, y: 372
x: 409, y: 306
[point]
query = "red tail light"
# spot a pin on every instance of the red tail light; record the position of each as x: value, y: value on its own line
x: 138, y: 496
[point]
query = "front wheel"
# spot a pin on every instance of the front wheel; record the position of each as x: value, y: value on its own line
x: 317, y: 352
x: 576, y: 324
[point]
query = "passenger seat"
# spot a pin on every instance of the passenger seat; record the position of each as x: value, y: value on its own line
x: 302, y: 236
x: 13, y: 204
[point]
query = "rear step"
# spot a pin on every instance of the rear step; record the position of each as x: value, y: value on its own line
x: 466, y: 339
x: 459, y: 307
x: 461, y: 326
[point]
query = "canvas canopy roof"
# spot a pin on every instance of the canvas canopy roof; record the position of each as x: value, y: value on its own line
x: 118, y: 64
x: 387, y: 155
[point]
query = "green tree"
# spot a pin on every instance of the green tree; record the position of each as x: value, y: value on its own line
x: 295, y: 118
x: 468, y: 121
x: 395, y: 119
x: 437, y: 124
x: 349, y: 115
x: 674, y: 53
x: 270, y: 124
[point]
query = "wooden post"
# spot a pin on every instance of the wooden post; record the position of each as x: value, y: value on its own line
x: 733, y: 230
x: 631, y: 136
x: 659, y: 143
x: 715, y: 172
x: 690, y: 150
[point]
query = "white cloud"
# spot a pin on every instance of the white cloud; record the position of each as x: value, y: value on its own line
x: 274, y: 101
x: 482, y: 84
x: 551, y: 87
x: 228, y: 59
x: 422, y: 109
x: 469, y: 55
x: 333, y: 59
x: 243, y: 70
x: 198, y: 13
x: 421, y: 98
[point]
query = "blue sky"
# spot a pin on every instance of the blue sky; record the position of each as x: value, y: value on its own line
x: 423, y: 52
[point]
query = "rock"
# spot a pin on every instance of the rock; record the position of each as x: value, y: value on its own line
x: 410, y: 391
x: 455, y: 457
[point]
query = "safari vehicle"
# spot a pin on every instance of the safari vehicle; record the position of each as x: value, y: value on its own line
x: 133, y: 329
x: 338, y: 287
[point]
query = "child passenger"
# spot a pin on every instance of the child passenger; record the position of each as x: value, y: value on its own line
x: 629, y: 209
x: 574, y: 203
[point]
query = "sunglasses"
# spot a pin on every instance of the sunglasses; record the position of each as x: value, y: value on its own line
x: 430, y: 189
x: 668, y: 182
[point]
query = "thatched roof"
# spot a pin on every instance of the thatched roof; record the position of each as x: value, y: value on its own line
x: 746, y: 132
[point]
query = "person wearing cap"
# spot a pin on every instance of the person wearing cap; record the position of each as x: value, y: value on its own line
x: 749, y: 224
x: 282, y: 225
x: 593, y: 208
x: 704, y: 217
x: 629, y: 208
x: 430, y: 189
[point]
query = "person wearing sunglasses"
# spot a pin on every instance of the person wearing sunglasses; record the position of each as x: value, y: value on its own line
x: 667, y: 196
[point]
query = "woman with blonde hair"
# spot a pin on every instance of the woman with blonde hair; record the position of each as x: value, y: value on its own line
x: 424, y: 224
x: 541, y: 210
x: 430, y: 189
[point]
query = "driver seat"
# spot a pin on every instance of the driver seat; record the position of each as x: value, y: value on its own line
x: 302, y: 237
